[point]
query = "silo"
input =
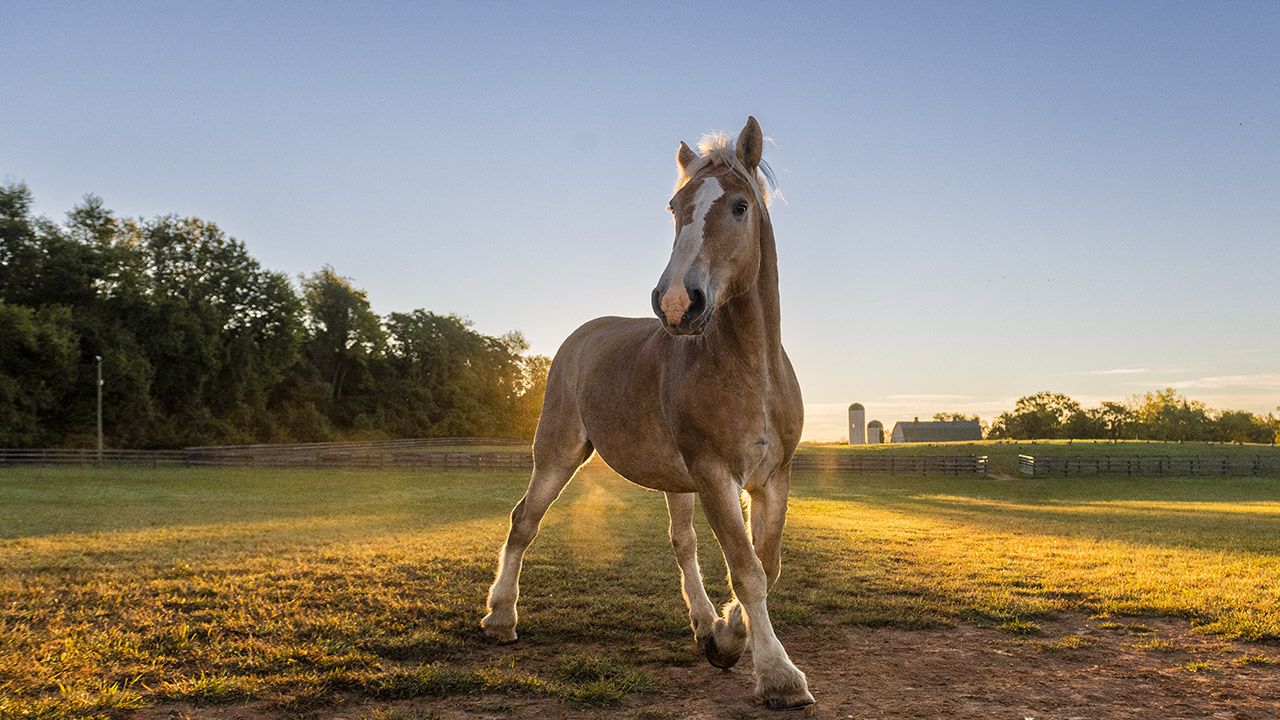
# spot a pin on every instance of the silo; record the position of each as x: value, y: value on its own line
x: 875, y: 432
x: 857, y: 416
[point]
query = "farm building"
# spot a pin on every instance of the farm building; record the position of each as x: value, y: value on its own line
x: 857, y: 413
x: 875, y: 432
x: 936, y: 431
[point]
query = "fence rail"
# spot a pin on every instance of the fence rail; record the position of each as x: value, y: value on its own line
x: 392, y: 454
x: 1146, y: 465
x: 155, y: 458
x: 424, y: 454
x: 886, y: 464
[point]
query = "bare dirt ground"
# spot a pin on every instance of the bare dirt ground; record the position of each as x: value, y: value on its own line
x: 1074, y: 668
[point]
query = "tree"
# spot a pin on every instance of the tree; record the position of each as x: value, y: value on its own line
x: 1118, y: 420
x: 1039, y: 416
x: 458, y: 381
x: 39, y: 263
x: 346, y: 337
x: 38, y: 354
x: 1240, y: 426
x: 954, y: 417
x: 199, y: 344
x: 1166, y: 415
x: 534, y: 369
x: 218, y: 329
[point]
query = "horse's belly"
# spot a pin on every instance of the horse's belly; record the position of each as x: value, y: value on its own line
x: 649, y: 466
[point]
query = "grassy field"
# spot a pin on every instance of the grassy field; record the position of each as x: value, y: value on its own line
x: 296, y: 590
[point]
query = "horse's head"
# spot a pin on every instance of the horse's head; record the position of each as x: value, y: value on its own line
x: 719, y: 208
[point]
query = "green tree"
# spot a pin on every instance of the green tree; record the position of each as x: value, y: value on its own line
x: 38, y: 353
x: 534, y: 369
x: 39, y: 263
x: 1240, y: 426
x: 346, y: 333
x: 1167, y: 415
x: 1040, y: 416
x: 217, y: 329
x: 199, y: 344
x: 460, y: 382
x: 954, y: 417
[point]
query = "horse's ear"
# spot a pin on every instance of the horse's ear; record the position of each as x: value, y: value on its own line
x: 685, y: 156
x: 750, y: 144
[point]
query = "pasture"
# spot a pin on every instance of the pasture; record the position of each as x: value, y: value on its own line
x: 357, y: 594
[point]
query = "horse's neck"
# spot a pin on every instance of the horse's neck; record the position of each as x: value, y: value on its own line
x: 753, y: 320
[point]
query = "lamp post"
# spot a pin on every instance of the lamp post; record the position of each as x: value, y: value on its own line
x: 99, y: 359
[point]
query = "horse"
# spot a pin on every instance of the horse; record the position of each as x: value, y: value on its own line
x: 700, y: 400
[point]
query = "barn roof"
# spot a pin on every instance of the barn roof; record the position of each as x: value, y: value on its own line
x: 939, y: 431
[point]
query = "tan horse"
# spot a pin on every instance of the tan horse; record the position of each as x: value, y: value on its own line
x: 702, y: 400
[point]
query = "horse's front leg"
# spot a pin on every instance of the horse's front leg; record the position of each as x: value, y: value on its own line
x: 702, y: 614
x: 779, y: 683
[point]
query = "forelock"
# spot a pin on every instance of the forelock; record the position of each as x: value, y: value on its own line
x: 716, y: 149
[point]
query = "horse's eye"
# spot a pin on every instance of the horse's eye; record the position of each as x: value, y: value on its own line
x: 740, y: 209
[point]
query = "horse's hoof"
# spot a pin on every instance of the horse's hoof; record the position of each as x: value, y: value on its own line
x: 803, y: 701
x: 501, y: 634
x: 716, y: 656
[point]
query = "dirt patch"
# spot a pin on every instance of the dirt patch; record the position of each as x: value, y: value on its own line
x: 1069, y: 669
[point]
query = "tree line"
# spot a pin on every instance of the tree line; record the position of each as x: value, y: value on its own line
x: 1159, y: 415
x: 198, y: 344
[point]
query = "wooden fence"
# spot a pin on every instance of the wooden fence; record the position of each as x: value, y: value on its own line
x: 390, y: 454
x: 430, y: 454
x: 1146, y: 466
x: 889, y: 464
x: 154, y: 458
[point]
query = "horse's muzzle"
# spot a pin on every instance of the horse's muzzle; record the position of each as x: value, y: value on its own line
x: 695, y: 317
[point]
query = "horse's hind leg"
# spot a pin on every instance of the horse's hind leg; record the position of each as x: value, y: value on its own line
x: 702, y: 614
x: 551, y: 472
x: 723, y: 640
x: 768, y: 516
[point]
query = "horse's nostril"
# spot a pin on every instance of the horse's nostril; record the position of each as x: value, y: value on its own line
x: 697, y: 301
x: 655, y: 300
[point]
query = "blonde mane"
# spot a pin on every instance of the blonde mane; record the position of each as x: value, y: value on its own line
x: 716, y: 149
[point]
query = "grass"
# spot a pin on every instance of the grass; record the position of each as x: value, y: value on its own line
x: 1070, y: 642
x: 1131, y: 628
x: 1021, y: 627
x: 124, y: 588
x: 1257, y: 660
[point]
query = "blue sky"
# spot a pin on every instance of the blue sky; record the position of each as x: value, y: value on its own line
x: 983, y: 200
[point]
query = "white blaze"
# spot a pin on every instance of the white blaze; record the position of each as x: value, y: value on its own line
x: 688, y: 245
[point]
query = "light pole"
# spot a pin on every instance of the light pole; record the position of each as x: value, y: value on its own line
x: 99, y: 359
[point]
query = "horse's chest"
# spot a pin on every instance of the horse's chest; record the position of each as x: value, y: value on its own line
x: 745, y: 437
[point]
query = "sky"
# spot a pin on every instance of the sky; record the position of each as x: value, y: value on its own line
x: 981, y: 200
